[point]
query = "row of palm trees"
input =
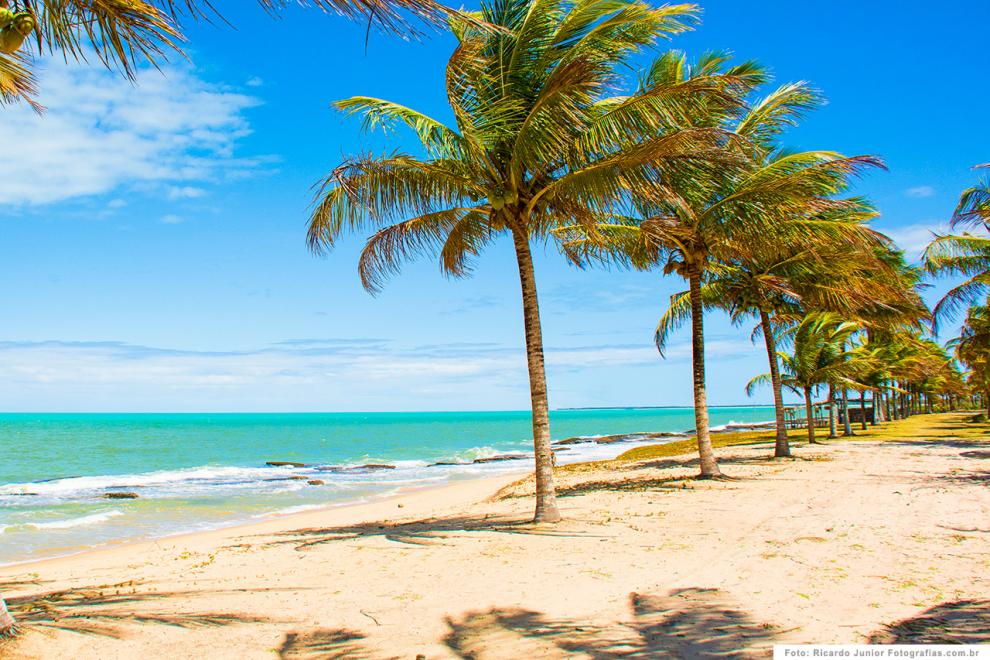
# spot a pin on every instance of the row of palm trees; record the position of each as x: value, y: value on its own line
x: 967, y: 254
x: 679, y: 170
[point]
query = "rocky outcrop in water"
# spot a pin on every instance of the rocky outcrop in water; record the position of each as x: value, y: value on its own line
x: 618, y: 437
x: 121, y: 496
x: 315, y: 482
x: 355, y: 468
x: 284, y: 464
x: 488, y: 459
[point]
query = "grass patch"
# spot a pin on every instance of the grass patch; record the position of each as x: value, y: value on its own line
x: 919, y: 427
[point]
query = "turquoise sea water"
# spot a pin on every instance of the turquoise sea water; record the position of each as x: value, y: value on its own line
x: 195, y: 471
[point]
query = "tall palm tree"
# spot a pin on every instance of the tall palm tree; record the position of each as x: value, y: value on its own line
x: 819, y: 357
x: 777, y: 288
x: 123, y: 33
x: 972, y: 348
x: 698, y: 217
x: 963, y: 254
x: 539, y: 142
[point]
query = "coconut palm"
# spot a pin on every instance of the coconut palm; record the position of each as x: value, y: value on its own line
x: 122, y: 33
x: 964, y: 254
x: 972, y: 348
x: 698, y: 217
x: 775, y: 289
x: 820, y: 357
x: 539, y: 142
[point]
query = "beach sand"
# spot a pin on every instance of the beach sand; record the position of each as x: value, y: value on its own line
x: 854, y: 540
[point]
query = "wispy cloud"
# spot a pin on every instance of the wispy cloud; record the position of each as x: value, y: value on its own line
x: 913, y: 239
x: 919, y: 192
x: 101, y: 132
x: 304, y: 374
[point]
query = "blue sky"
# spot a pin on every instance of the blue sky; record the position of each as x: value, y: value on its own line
x: 153, y: 252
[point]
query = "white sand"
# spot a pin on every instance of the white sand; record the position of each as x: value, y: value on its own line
x: 826, y: 549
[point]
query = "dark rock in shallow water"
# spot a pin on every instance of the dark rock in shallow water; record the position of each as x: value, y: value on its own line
x: 315, y: 482
x: 736, y: 428
x: 501, y: 457
x: 441, y: 463
x: 354, y: 468
x: 618, y: 437
x: 284, y: 464
x: 45, y: 481
x: 121, y: 496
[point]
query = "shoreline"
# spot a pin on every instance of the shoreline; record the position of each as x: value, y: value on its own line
x: 638, y: 566
x: 619, y: 442
x: 266, y: 520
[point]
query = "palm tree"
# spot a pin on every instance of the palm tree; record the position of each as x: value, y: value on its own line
x: 125, y: 32
x: 699, y: 217
x: 777, y: 288
x: 538, y: 143
x: 963, y: 254
x: 819, y: 358
x: 972, y: 348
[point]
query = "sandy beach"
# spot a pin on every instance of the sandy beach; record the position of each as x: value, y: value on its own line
x: 878, y: 538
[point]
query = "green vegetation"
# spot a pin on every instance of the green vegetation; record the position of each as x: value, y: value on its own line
x: 125, y: 33
x: 939, y: 426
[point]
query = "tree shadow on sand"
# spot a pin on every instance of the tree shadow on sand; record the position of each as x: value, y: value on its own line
x: 102, y: 610
x: 687, y: 623
x: 424, y: 532
x: 953, y: 622
x: 322, y: 643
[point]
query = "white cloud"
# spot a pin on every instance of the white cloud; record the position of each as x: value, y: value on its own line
x: 171, y: 219
x: 300, y: 375
x: 913, y: 239
x: 920, y: 192
x: 185, y: 192
x: 255, y: 82
x: 102, y: 132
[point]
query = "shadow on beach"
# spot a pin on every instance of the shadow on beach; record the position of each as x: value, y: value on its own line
x: 102, y: 610
x: 429, y: 531
x: 683, y: 623
x: 953, y: 622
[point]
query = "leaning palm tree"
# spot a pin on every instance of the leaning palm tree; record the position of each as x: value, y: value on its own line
x: 777, y: 287
x: 539, y: 142
x: 123, y: 33
x: 698, y: 217
x: 972, y: 348
x: 819, y: 357
x: 963, y: 254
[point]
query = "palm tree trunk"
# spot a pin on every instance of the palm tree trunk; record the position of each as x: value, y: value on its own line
x: 709, y: 467
x: 831, y: 413
x: 810, y: 413
x: 7, y: 622
x: 546, y: 494
x: 846, y: 425
x: 878, y: 407
x: 862, y: 409
x: 782, y: 448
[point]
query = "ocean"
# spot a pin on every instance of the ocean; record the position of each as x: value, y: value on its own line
x: 202, y: 471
